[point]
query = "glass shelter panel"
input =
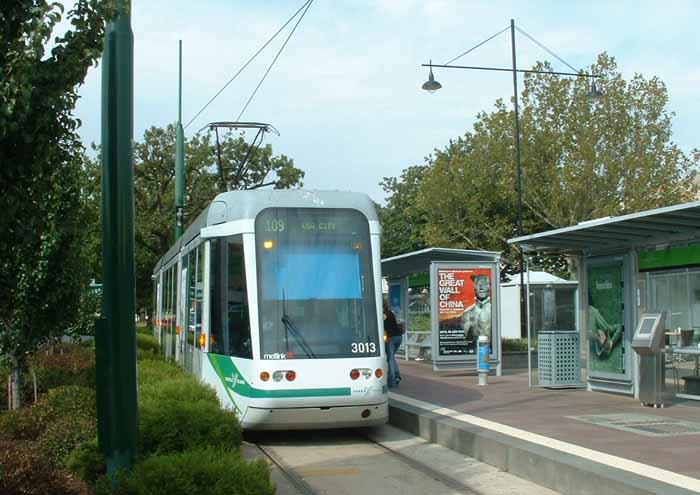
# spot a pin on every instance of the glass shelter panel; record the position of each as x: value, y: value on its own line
x: 315, y: 284
x: 677, y: 293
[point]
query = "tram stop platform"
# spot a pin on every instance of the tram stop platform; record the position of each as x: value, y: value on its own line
x: 570, y: 440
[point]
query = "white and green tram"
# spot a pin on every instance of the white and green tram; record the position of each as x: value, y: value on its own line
x: 273, y: 298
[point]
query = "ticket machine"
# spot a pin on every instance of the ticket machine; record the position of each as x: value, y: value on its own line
x: 647, y: 341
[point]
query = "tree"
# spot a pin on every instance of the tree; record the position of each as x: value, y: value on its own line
x: 580, y: 160
x: 41, y: 248
x: 402, y: 221
x: 154, y: 188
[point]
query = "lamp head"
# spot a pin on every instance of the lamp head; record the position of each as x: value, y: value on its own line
x: 431, y: 85
x: 593, y: 92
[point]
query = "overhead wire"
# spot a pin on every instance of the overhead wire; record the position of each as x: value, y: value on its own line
x: 477, y: 46
x: 541, y: 45
x: 306, y: 4
x: 274, y: 60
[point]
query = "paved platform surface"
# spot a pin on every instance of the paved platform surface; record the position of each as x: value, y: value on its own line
x: 508, y: 401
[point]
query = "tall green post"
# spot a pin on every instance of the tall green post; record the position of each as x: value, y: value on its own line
x: 115, y: 336
x: 179, y: 158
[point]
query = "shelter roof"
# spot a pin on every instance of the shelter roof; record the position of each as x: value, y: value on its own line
x: 419, y: 261
x: 644, y: 229
x: 538, y: 278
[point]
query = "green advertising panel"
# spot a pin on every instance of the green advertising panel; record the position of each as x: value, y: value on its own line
x: 606, y: 325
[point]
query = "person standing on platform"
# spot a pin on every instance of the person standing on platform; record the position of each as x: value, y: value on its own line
x: 393, y: 342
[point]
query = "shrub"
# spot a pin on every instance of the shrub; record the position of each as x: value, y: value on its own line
x: 157, y: 371
x: 184, y: 388
x: 147, y: 343
x: 63, y: 435
x: 23, y: 424
x: 74, y: 366
x: 167, y: 426
x: 145, y: 330
x: 62, y: 402
x: 25, y: 471
x: 71, y: 401
x: 86, y: 461
x: 208, y: 471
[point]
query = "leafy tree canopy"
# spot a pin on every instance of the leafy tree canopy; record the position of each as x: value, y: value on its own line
x: 41, y: 248
x: 581, y: 160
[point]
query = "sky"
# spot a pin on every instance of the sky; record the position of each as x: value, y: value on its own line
x: 345, y: 92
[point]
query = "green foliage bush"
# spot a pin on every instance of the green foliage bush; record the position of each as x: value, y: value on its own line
x: 157, y: 371
x: 173, y: 425
x: 24, y: 470
x: 147, y: 345
x: 207, y: 470
x: 20, y: 425
x: 63, y: 435
x: 144, y: 330
x: 72, y: 402
x: 86, y: 461
x: 183, y: 388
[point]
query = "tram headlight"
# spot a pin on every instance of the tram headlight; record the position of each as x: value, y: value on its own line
x: 277, y: 376
x: 268, y: 244
x: 367, y: 373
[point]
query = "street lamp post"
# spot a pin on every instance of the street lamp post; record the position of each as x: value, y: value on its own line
x: 431, y: 85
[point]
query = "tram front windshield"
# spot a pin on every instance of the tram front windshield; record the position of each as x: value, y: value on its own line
x: 315, y: 284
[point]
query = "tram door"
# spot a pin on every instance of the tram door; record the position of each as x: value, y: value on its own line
x: 182, y: 314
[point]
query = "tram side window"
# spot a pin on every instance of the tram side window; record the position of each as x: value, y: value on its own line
x: 230, y: 323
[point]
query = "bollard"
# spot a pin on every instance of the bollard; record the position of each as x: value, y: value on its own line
x: 483, y: 364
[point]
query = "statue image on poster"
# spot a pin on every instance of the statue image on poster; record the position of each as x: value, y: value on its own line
x: 464, y: 309
x: 477, y: 317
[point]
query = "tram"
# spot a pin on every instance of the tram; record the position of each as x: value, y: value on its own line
x: 273, y: 298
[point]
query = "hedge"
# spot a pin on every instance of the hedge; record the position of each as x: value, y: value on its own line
x: 205, y: 470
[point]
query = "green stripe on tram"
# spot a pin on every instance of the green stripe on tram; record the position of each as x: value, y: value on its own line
x: 234, y: 381
x: 217, y: 368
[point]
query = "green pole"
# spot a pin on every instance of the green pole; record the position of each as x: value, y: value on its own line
x: 179, y: 158
x: 115, y: 336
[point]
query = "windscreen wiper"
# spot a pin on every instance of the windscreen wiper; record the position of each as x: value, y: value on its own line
x: 292, y: 328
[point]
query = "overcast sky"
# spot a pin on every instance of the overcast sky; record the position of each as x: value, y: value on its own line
x: 345, y: 93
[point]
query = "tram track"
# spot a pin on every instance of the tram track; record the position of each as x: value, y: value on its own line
x: 438, y: 476
x: 344, y: 473
x: 302, y: 487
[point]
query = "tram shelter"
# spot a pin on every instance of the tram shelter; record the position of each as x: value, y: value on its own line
x: 626, y: 266
x: 447, y: 298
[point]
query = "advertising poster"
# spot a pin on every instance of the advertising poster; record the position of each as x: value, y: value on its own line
x: 464, y: 309
x: 605, y: 319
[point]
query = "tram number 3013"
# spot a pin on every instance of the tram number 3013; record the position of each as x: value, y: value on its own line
x: 363, y: 347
